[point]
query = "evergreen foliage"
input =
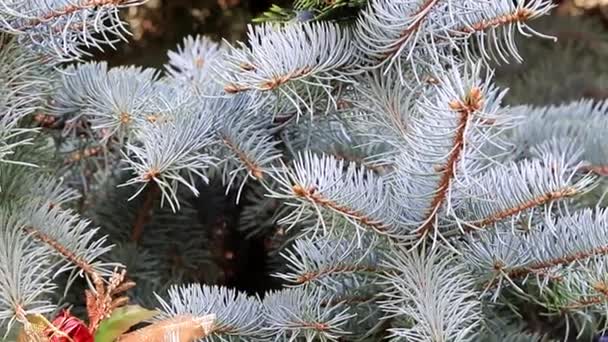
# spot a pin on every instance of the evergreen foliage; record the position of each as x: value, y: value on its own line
x: 399, y: 195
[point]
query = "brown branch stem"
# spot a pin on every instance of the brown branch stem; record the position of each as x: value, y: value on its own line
x: 519, y: 15
x: 68, y: 10
x: 464, y: 108
x: 600, y: 288
x: 422, y: 14
x: 535, y: 202
x: 584, y: 302
x: 310, y: 276
x: 317, y: 198
x: 270, y: 84
x: 520, y: 272
x: 145, y: 212
x: 254, y: 169
x: 66, y: 253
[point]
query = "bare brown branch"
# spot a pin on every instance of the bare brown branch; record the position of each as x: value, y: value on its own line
x: 145, y: 212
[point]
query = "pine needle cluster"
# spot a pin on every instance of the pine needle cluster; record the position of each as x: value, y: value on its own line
x: 400, y: 196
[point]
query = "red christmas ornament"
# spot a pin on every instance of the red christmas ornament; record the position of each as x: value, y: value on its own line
x: 70, y: 326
